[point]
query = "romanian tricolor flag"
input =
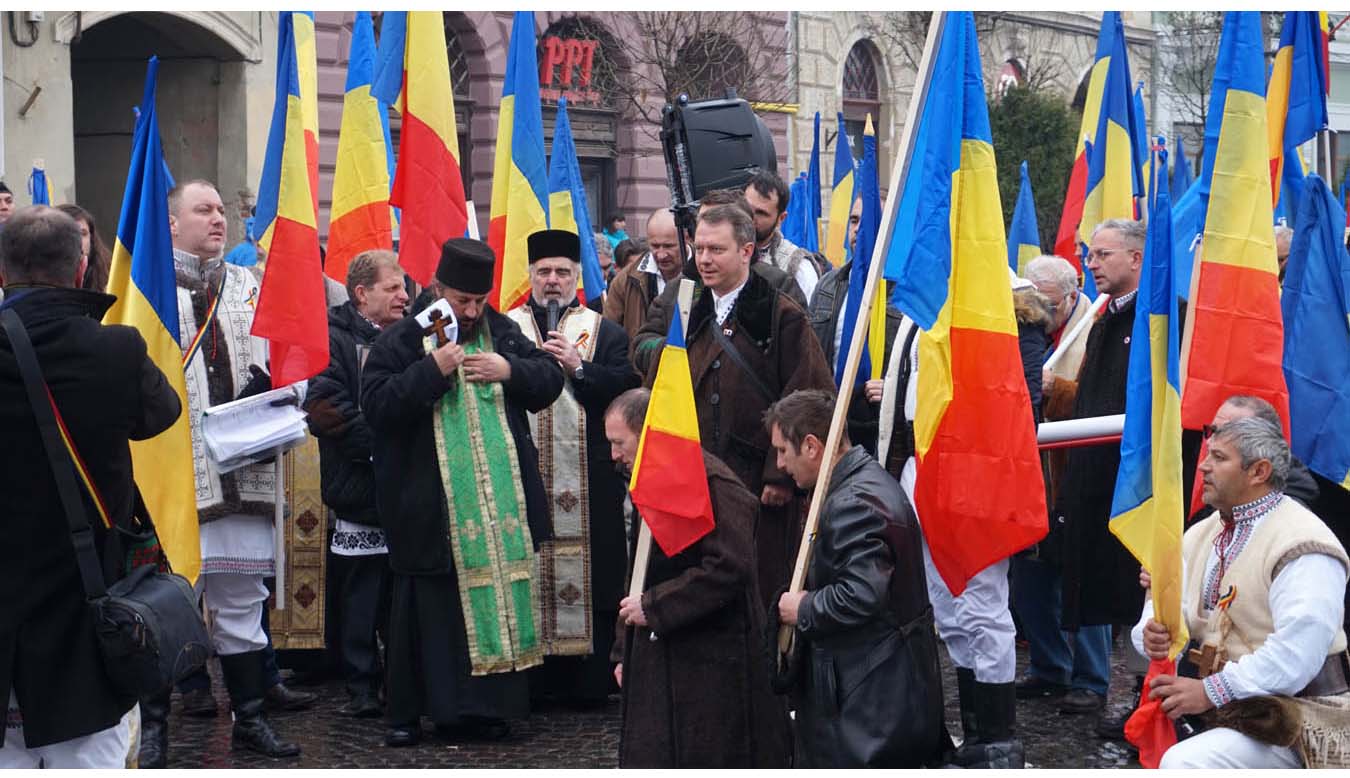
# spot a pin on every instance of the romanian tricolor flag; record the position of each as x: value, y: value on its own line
x: 1146, y: 511
x: 1316, y: 305
x: 873, y: 361
x: 142, y: 279
x: 359, y: 219
x: 1115, y: 169
x: 39, y: 186
x: 519, y: 174
x: 1235, y: 341
x: 669, y: 486
x: 948, y: 256
x: 1024, y: 236
x: 1066, y: 240
x: 841, y: 199
x: 292, y: 312
x: 567, y: 207
x: 413, y: 75
x: 1296, y: 100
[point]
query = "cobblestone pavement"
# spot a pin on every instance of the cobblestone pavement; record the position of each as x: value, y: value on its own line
x: 560, y: 737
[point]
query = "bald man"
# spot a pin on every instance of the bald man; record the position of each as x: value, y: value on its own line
x: 633, y: 289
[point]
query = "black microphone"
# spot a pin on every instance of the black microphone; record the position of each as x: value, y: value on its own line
x: 552, y: 317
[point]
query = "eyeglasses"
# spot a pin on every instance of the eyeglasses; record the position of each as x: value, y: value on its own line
x: 1100, y: 254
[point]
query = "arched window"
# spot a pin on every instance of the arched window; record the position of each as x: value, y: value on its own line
x: 708, y: 65
x: 459, y: 62
x: 862, y: 91
x: 575, y: 59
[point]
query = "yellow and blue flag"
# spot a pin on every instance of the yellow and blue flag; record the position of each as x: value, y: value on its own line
x: 841, y: 198
x: 669, y: 485
x: 948, y: 256
x: 567, y: 207
x: 519, y: 204
x: 1296, y: 100
x: 1316, y: 308
x: 142, y: 278
x: 1024, y: 236
x: 873, y: 361
x: 1147, y: 511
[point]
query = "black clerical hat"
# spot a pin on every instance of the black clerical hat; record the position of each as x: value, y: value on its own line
x: 466, y: 264
x: 4, y: 189
x: 546, y: 244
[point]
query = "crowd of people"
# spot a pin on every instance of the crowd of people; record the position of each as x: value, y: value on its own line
x: 481, y: 537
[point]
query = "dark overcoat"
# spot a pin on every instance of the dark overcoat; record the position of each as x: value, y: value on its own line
x: 697, y: 695
x: 347, y: 475
x: 870, y: 691
x: 108, y: 392
x: 628, y: 296
x: 773, y: 336
x: 1100, y: 577
x: 399, y: 390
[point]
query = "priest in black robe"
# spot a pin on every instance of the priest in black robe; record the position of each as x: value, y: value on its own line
x: 457, y: 481
x: 581, y: 569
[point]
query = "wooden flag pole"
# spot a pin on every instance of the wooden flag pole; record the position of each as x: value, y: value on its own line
x: 685, y: 300
x: 899, y: 172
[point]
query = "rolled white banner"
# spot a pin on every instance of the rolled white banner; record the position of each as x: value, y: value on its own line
x: 1071, y: 430
x: 1078, y: 330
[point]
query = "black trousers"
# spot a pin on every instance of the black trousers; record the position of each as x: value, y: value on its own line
x: 361, y: 583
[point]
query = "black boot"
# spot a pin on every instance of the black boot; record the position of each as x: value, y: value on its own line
x: 1114, y: 728
x: 965, y: 692
x: 995, y: 713
x: 244, y: 678
x: 154, y: 753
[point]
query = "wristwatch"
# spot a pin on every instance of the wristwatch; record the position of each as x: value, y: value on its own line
x: 580, y: 372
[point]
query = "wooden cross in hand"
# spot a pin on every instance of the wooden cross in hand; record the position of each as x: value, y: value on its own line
x: 438, y: 325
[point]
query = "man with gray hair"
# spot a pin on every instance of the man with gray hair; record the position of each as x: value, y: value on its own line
x: 1090, y: 578
x: 1262, y: 579
x: 1055, y: 278
x: 1284, y: 239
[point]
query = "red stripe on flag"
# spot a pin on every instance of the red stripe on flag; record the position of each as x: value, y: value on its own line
x: 429, y: 188
x: 361, y: 229
x: 1066, y: 240
x: 973, y: 488
x: 672, y: 491
x: 292, y: 309
x: 1237, y: 343
x: 497, y: 241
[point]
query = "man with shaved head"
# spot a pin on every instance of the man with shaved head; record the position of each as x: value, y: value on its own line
x: 634, y: 288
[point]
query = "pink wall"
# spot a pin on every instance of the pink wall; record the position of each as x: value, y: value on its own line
x: 640, y: 171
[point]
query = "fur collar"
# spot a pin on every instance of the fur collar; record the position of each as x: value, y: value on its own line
x: 755, y: 311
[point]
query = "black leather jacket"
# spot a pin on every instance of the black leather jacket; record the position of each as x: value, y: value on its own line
x: 871, y: 694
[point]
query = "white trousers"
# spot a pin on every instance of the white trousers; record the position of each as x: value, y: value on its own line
x: 234, y: 602
x: 105, y: 749
x: 1227, y: 748
x: 977, y: 626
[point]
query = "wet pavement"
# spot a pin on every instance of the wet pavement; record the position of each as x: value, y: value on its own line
x: 560, y: 737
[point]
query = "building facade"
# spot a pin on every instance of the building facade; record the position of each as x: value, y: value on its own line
x: 72, y: 79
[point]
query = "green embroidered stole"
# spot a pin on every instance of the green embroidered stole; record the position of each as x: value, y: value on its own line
x: 489, y: 534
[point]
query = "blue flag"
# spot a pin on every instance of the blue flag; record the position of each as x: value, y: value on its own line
x: 870, y: 225
x: 1316, y: 310
x: 568, y: 209
x: 1182, y: 174
x: 794, y: 222
x: 1024, y: 236
x: 813, y: 204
